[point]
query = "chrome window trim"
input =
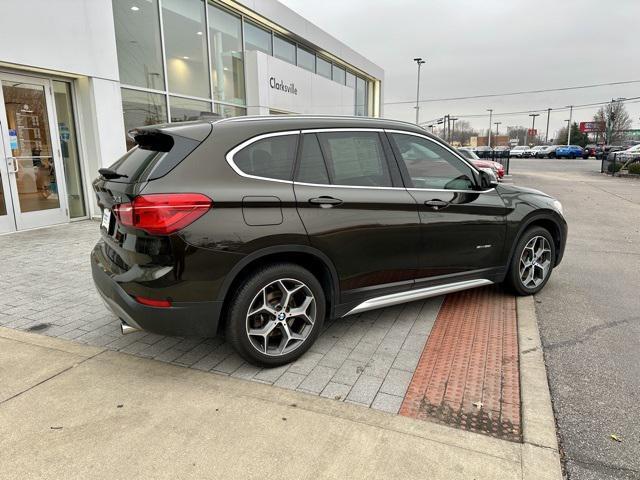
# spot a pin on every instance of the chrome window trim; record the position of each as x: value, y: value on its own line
x: 229, y: 157
x: 246, y: 143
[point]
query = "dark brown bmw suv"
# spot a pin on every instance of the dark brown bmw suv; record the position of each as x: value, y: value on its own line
x: 262, y: 227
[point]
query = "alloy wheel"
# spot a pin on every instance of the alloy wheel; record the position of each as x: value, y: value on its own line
x: 281, y: 317
x: 535, y: 262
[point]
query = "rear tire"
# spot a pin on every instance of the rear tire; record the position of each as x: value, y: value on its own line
x: 532, y: 262
x: 276, y: 314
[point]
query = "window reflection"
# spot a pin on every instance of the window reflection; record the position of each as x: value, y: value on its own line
x: 142, y: 108
x: 230, y: 110
x: 256, y: 38
x: 138, y: 43
x: 227, y: 63
x: 284, y: 49
x: 185, y: 109
x: 185, y: 47
x: 69, y: 148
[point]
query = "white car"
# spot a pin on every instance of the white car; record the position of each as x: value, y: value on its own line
x: 533, y: 152
x: 632, y: 153
x: 519, y: 151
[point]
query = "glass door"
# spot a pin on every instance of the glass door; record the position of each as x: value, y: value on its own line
x: 31, y: 152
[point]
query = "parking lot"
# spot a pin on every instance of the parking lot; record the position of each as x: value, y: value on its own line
x: 588, y: 317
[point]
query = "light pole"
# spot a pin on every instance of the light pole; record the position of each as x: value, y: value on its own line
x: 490, y: 110
x: 546, y: 135
x: 431, y: 127
x: 497, y: 124
x: 419, y: 61
x: 570, y: 107
x: 533, y: 123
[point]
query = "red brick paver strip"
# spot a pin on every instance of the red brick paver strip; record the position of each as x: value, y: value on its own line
x: 468, y: 373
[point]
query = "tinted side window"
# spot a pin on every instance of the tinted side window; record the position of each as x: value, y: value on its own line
x: 312, y: 168
x: 355, y: 158
x: 432, y: 166
x: 270, y: 157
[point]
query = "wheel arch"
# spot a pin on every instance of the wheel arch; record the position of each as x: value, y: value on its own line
x: 545, y: 220
x: 308, y: 257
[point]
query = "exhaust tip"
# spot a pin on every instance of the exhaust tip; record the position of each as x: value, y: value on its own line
x: 126, y: 329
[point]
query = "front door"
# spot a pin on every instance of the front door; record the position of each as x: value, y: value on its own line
x: 463, y: 228
x: 31, y: 187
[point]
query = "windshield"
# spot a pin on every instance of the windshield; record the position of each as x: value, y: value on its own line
x: 468, y: 154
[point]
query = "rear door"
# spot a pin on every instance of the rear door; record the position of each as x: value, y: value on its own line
x: 356, y: 210
x: 463, y: 229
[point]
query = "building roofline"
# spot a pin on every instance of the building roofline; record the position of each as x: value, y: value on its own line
x: 280, y: 17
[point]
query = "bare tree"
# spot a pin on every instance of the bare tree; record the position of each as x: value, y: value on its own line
x: 462, y: 132
x: 616, y: 119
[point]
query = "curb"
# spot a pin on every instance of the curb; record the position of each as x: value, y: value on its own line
x: 540, y: 455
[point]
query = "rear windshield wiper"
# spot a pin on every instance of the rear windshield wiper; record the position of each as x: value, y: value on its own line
x: 111, y: 174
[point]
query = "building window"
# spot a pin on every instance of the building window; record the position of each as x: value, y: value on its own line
x: 186, y: 47
x: 284, y: 49
x: 361, y: 97
x: 227, y: 59
x: 256, y: 38
x: 142, y: 108
x: 306, y: 59
x: 185, y: 109
x: 323, y: 67
x: 339, y: 75
x: 351, y: 80
x: 69, y: 148
x: 230, y: 110
x: 138, y: 43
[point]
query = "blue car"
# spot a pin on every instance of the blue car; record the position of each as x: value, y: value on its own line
x: 569, y: 151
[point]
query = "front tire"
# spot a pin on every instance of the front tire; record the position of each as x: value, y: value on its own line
x: 276, y: 314
x: 532, y: 263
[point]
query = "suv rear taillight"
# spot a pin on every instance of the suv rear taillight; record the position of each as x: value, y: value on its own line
x: 162, y: 213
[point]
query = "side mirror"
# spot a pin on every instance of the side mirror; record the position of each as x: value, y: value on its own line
x: 488, y: 179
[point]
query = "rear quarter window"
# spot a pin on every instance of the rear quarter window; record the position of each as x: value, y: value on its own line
x: 270, y: 157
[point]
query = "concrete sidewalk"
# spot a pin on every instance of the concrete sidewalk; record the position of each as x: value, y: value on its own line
x: 77, y: 411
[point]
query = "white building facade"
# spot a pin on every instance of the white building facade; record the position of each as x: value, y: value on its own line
x: 86, y: 71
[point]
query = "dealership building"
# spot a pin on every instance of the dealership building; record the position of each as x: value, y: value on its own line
x: 77, y: 74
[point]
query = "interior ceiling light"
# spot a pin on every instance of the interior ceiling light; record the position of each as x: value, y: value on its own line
x: 198, y: 33
x: 185, y: 57
x: 135, y: 9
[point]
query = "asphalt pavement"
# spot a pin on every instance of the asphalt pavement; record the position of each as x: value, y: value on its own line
x: 589, y: 317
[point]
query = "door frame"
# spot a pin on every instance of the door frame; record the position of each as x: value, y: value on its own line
x: 39, y: 218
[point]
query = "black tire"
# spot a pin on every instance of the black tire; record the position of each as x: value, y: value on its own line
x: 236, y: 319
x: 513, y: 280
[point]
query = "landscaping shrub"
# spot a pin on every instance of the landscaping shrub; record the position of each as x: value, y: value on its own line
x: 635, y: 168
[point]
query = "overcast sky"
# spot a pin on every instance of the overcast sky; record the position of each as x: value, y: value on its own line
x: 492, y: 46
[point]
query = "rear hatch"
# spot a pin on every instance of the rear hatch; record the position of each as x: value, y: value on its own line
x: 120, y: 189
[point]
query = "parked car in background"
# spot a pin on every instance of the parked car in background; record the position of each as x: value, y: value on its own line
x: 533, y: 151
x: 548, y: 151
x: 483, y: 152
x: 569, y: 151
x: 256, y: 230
x: 501, y: 151
x: 603, y: 151
x: 631, y: 154
x: 519, y: 151
x: 589, y: 151
x: 496, y: 167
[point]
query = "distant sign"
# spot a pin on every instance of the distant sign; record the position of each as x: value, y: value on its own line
x: 532, y: 132
x: 514, y: 141
x: 586, y: 127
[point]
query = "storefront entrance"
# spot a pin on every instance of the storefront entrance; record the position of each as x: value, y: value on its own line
x: 33, y: 191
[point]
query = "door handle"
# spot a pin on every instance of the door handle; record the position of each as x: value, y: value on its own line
x: 325, y: 201
x: 12, y: 162
x: 436, y: 204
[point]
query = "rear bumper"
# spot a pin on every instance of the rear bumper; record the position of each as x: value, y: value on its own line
x: 182, y: 319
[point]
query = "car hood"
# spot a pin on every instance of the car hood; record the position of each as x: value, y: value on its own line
x: 506, y: 188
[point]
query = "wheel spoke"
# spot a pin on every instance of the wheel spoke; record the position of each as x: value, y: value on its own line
x: 535, y: 262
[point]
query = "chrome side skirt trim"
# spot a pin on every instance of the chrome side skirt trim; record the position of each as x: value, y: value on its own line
x: 417, y: 294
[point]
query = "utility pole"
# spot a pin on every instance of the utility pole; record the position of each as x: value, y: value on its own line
x: 419, y: 61
x: 546, y: 135
x: 490, y: 110
x: 431, y: 127
x: 533, y: 123
x: 569, y: 126
x: 453, y: 128
x: 497, y: 124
